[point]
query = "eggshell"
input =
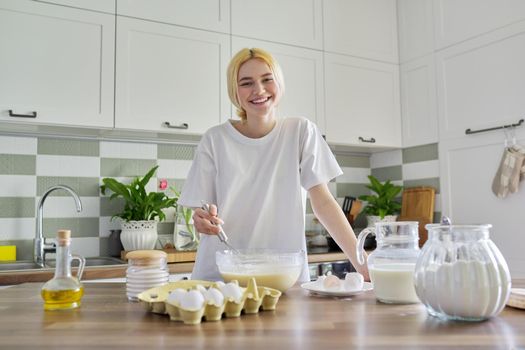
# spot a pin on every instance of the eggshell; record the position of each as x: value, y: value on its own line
x: 353, y: 281
x: 233, y: 291
x: 214, y: 296
x: 192, y: 300
x: 332, y: 282
x: 175, y: 296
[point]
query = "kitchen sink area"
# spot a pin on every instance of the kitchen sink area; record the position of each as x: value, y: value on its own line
x: 50, y: 264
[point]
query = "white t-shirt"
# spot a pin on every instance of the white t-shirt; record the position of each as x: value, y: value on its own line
x: 259, y: 186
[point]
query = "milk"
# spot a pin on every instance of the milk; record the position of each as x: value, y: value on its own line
x: 394, y: 283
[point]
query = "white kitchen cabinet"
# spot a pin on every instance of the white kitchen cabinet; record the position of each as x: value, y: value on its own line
x: 107, y: 6
x: 456, y: 21
x: 480, y: 82
x: 362, y: 102
x: 468, y: 166
x: 361, y: 28
x: 303, y: 78
x: 418, y: 102
x: 166, y: 73
x: 294, y: 22
x: 415, y: 28
x: 211, y: 15
x: 56, y: 65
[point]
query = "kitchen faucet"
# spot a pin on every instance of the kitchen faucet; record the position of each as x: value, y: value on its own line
x: 40, y: 247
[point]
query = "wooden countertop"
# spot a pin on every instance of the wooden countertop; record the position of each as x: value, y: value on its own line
x: 301, y: 321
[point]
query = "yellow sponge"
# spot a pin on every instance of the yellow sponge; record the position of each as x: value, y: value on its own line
x: 7, y: 252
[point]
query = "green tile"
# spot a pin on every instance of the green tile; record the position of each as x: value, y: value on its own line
x: 114, y: 167
x: 437, y: 217
x: 103, y: 246
x: 165, y: 228
x: 17, y: 164
x: 353, y: 161
x: 83, y: 186
x: 24, y: 248
x: 392, y: 173
x: 17, y: 207
x: 80, y: 227
x: 432, y: 182
x: 351, y: 189
x: 420, y: 153
x: 111, y: 207
x: 68, y: 147
x: 182, y: 152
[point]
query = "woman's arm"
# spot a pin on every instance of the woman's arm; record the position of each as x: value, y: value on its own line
x: 330, y: 214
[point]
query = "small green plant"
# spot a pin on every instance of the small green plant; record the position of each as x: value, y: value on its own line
x: 138, y: 204
x: 186, y: 212
x: 383, y: 202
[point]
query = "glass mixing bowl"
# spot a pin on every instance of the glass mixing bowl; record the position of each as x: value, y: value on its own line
x: 273, y: 268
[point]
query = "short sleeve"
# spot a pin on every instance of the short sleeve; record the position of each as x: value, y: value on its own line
x: 317, y: 164
x: 200, y: 182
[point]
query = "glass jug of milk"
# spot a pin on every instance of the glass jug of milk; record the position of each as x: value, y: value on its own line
x: 391, y: 265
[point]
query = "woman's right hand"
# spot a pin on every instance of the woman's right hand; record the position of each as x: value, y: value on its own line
x: 207, y: 222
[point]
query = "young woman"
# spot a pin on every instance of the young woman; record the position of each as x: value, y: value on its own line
x: 257, y: 171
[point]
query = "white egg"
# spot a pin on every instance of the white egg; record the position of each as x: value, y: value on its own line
x: 353, y: 281
x: 175, y: 296
x: 233, y: 291
x: 214, y: 296
x: 192, y: 300
x: 332, y: 282
x: 219, y: 284
x: 201, y: 289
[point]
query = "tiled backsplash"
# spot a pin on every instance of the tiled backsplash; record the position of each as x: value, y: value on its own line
x: 30, y: 165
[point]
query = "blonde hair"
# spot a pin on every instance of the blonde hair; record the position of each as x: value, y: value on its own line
x: 233, y: 73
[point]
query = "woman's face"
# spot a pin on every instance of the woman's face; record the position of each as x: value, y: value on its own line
x: 257, y: 88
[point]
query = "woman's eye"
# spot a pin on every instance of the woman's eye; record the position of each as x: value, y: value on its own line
x: 268, y: 79
x: 246, y: 84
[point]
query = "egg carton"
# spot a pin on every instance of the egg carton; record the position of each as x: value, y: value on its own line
x: 253, y: 299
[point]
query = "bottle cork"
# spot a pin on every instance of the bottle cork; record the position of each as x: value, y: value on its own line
x: 63, y: 237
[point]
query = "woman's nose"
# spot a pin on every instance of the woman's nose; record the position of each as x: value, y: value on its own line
x: 258, y: 87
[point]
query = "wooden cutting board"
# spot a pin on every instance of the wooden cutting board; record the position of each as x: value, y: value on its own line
x: 417, y: 204
x: 174, y: 255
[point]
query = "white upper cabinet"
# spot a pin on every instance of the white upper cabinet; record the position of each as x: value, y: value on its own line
x: 203, y: 14
x: 294, y: 22
x: 416, y: 32
x: 95, y: 5
x: 418, y: 102
x: 361, y: 28
x: 362, y: 102
x: 56, y: 65
x: 480, y: 83
x: 170, y: 78
x: 456, y: 21
x: 303, y: 78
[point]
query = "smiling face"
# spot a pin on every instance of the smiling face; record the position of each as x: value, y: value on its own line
x: 258, y: 92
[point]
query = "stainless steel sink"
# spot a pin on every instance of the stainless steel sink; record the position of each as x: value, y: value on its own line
x: 29, y: 265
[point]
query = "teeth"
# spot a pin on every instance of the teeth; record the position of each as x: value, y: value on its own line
x: 261, y: 100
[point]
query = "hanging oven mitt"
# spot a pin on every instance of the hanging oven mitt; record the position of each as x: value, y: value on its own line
x: 508, y: 175
x: 521, y: 150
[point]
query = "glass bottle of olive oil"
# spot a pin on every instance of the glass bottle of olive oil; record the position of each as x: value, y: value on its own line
x: 64, y: 291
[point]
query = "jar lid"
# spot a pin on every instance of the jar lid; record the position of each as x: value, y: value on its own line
x: 146, y: 255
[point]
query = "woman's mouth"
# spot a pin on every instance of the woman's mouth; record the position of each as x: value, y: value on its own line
x: 260, y: 100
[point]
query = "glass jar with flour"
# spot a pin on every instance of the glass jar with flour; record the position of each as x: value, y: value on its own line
x: 461, y: 274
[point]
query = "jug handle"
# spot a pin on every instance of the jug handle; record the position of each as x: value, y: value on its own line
x: 361, y: 244
x: 81, y: 264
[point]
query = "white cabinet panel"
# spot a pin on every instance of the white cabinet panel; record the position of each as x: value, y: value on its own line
x: 418, y: 102
x: 58, y: 62
x: 468, y: 167
x: 303, y: 77
x: 169, y: 74
x: 363, y: 28
x: 96, y: 5
x: 456, y: 21
x: 416, y: 33
x: 295, y: 22
x: 362, y: 101
x: 204, y: 14
x: 481, y: 83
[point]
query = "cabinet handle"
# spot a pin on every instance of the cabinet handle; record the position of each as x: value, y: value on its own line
x: 183, y: 126
x: 370, y: 140
x: 32, y: 115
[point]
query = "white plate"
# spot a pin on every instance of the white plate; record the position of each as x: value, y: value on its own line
x: 317, y: 289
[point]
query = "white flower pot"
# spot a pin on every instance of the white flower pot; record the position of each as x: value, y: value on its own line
x: 138, y: 235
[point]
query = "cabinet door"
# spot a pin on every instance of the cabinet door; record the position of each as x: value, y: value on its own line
x: 204, y: 14
x: 468, y: 167
x: 416, y: 33
x: 169, y: 74
x: 58, y: 62
x: 295, y: 22
x: 362, y: 102
x: 107, y: 6
x: 481, y: 82
x: 303, y: 78
x: 418, y: 102
x: 362, y: 28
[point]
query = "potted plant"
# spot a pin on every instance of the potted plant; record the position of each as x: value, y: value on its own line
x: 141, y: 210
x: 382, y: 205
